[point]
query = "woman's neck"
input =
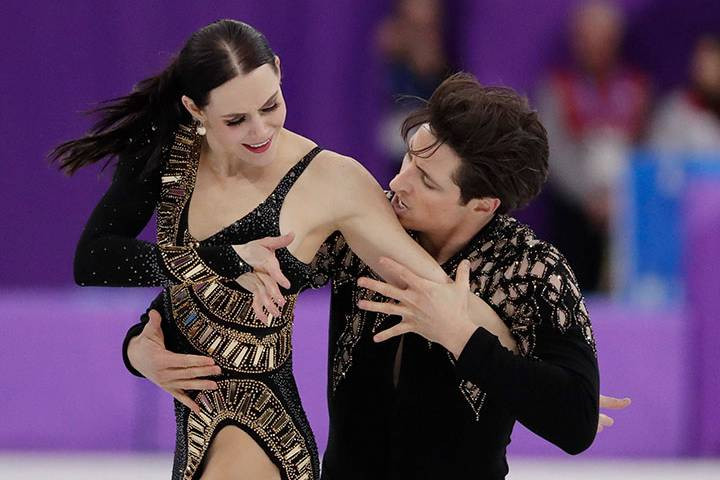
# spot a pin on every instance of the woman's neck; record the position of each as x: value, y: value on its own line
x: 224, y: 165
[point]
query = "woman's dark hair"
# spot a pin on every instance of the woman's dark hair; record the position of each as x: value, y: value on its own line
x: 502, y: 145
x: 211, y: 56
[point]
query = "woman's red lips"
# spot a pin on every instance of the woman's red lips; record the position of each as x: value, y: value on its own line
x: 259, y: 149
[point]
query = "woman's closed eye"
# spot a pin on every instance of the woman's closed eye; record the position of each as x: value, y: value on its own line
x: 239, y: 120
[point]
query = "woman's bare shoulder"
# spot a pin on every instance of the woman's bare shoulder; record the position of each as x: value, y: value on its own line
x: 330, y: 165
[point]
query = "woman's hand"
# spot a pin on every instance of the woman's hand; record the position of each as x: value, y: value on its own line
x: 267, y: 299
x: 263, y: 281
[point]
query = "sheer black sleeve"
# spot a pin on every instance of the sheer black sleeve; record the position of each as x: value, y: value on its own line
x: 553, y: 389
x: 335, y: 261
x: 109, y: 253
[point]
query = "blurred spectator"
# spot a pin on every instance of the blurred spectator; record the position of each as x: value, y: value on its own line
x: 689, y: 119
x: 594, y: 111
x: 411, y: 43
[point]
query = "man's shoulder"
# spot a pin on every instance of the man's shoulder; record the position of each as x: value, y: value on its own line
x: 527, y: 281
x: 510, y: 240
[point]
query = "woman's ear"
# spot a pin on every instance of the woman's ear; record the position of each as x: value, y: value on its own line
x: 193, y: 109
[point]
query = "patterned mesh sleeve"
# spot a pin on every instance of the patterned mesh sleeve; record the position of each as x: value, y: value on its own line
x: 537, y: 288
x: 553, y: 386
x: 334, y: 260
x: 109, y: 254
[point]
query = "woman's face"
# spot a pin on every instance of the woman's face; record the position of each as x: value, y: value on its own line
x: 244, y: 116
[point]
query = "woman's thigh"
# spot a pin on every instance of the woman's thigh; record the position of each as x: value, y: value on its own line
x: 235, y: 455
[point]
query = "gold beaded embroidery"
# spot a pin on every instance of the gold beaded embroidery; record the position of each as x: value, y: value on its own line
x: 198, y: 305
x: 177, y: 180
x: 352, y: 332
x: 237, y: 351
x: 234, y: 306
x: 252, y: 404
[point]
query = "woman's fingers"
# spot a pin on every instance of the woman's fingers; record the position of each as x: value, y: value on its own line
x: 274, y: 243
x: 258, y: 310
x: 267, y: 302
x: 273, y: 269
x: 274, y: 292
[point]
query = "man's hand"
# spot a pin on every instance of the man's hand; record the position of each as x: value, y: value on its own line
x: 173, y: 372
x: 437, y: 311
x: 611, y: 403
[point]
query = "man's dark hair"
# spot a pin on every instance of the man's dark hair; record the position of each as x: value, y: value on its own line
x: 499, y: 138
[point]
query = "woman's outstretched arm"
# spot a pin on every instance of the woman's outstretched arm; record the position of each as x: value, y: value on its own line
x: 109, y: 254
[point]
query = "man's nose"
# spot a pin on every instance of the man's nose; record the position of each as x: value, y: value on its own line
x: 401, y: 182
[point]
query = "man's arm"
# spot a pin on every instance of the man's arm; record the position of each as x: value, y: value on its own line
x: 134, y: 331
x: 554, y: 394
x: 145, y: 355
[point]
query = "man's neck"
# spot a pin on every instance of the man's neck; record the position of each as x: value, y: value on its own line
x: 443, y: 245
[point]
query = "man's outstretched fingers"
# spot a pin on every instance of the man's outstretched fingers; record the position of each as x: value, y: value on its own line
x: 614, y: 403
x: 195, y: 372
x: 462, y: 275
x: 185, y: 400
x: 152, y: 328
x: 399, y: 329
x: 382, y: 288
x: 604, y: 421
x: 187, y: 360
x: 401, y: 271
x: 194, y: 385
x: 387, y: 308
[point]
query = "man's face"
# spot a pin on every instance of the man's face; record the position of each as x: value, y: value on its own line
x: 426, y: 198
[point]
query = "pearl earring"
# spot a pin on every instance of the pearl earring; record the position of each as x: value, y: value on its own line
x: 201, y: 130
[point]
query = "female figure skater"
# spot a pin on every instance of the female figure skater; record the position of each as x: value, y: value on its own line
x: 203, y: 145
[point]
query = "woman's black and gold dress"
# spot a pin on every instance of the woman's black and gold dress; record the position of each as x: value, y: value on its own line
x: 204, y: 311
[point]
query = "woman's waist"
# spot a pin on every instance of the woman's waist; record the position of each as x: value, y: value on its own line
x: 234, y: 346
x: 225, y: 305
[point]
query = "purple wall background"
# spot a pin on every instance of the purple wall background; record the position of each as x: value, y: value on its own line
x: 61, y: 57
